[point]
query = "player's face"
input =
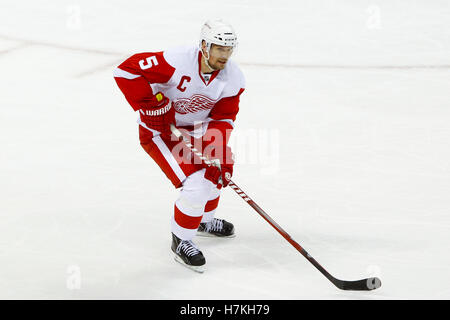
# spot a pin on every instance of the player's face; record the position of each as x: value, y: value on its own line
x: 219, y: 55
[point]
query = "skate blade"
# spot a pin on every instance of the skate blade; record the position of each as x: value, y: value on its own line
x: 199, y: 269
x: 210, y: 235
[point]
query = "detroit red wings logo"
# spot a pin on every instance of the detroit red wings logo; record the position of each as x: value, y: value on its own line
x: 193, y: 104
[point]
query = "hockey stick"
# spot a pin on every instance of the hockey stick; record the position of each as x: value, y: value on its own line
x: 361, y: 285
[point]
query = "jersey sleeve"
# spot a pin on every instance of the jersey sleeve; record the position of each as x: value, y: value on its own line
x: 223, y: 115
x: 226, y: 109
x: 134, y: 75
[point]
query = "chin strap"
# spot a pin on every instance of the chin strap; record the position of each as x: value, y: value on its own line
x: 206, y: 61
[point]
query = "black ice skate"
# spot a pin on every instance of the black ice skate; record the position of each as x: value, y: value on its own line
x: 188, y: 254
x: 216, y: 228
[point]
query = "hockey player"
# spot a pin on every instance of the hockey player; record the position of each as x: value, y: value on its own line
x: 197, y: 89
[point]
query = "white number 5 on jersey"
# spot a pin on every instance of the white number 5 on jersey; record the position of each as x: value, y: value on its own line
x: 148, y: 63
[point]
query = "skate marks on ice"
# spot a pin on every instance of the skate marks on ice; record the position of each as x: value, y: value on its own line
x: 25, y: 43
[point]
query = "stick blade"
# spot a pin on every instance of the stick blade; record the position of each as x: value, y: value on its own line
x: 359, y: 285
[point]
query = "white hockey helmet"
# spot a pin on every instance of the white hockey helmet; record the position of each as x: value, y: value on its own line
x: 218, y: 32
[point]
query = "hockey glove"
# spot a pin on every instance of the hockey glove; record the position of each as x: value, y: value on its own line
x: 221, y: 176
x: 157, y: 113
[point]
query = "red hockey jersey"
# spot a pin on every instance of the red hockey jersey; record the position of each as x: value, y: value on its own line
x: 176, y: 73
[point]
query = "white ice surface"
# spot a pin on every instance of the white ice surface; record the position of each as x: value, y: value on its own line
x: 354, y: 94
